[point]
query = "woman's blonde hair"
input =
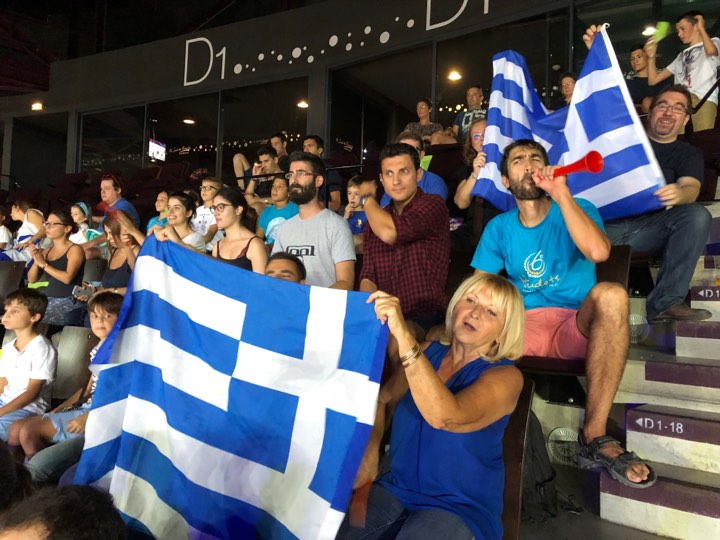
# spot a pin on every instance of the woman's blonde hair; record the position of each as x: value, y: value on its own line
x: 506, y: 298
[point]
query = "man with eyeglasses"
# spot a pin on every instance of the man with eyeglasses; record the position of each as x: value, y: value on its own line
x: 429, y: 182
x: 406, y: 244
x: 318, y: 236
x: 681, y: 229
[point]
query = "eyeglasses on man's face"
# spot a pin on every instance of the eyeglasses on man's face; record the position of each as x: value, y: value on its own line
x: 664, y: 107
x: 300, y: 175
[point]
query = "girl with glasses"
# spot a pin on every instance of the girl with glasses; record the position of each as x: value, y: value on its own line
x: 240, y: 247
x: 60, y: 265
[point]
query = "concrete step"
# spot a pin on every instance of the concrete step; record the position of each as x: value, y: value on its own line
x: 698, y: 339
x: 655, y: 376
x: 706, y: 297
x: 683, y: 504
x: 680, y: 437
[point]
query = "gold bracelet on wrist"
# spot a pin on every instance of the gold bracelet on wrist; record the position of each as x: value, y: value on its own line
x: 410, y: 353
x: 412, y: 360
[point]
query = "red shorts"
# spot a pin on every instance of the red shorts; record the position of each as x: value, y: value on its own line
x: 553, y: 332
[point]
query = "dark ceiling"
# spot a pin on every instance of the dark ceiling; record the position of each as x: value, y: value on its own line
x: 35, y: 33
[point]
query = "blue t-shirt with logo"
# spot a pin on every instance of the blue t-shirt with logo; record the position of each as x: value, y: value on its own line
x: 357, y: 221
x: 272, y: 217
x: 542, y: 261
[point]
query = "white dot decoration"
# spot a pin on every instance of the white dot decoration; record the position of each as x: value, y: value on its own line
x: 385, y: 37
x: 305, y: 48
x: 289, y: 61
x: 237, y: 69
x: 296, y: 52
x: 367, y: 30
x: 397, y: 19
x: 311, y: 58
x: 253, y: 69
x: 348, y: 46
x: 279, y: 57
x: 362, y: 43
x: 349, y: 34
x: 261, y: 57
x: 411, y: 23
x: 272, y: 52
x: 322, y: 51
x: 247, y: 66
x: 333, y: 41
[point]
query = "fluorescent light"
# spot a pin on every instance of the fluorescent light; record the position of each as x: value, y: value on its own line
x: 37, y: 106
x: 303, y: 104
x: 454, y: 76
x: 188, y: 121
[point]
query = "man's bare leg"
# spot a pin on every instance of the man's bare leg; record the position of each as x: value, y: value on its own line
x: 603, y: 318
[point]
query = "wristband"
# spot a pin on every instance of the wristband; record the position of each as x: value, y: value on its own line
x: 408, y: 355
x: 363, y: 199
x: 412, y: 360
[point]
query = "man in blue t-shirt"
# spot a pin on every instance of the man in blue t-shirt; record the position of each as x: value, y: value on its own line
x: 549, y: 247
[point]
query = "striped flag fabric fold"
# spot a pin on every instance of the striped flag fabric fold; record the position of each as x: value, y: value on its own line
x: 600, y: 117
x: 230, y: 404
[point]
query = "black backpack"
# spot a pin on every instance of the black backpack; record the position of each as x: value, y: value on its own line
x: 539, y: 494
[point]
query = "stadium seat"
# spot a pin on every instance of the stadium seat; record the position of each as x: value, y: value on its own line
x: 11, y: 274
x: 73, y: 346
x: 94, y: 269
x: 513, y: 453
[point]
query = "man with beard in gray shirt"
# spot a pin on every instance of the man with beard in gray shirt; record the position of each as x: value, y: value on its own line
x: 318, y: 236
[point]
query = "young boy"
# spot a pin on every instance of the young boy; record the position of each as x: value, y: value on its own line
x: 204, y: 220
x: 27, y: 367
x: 68, y: 420
x: 695, y: 67
x: 354, y: 213
x: 282, y: 208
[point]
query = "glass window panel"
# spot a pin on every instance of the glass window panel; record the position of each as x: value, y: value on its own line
x: 112, y: 141
x: 188, y: 129
x: 252, y: 114
x: 471, y: 56
x: 39, y: 149
x: 372, y: 102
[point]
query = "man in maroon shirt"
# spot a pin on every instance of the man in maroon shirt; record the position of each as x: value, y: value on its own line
x: 407, y: 243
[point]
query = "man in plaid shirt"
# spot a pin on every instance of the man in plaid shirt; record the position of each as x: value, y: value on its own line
x: 406, y: 243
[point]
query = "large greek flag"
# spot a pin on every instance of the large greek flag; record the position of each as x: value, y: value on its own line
x: 600, y: 117
x: 232, y: 405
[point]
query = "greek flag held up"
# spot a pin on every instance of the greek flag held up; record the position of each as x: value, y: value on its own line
x: 600, y: 117
x: 230, y: 404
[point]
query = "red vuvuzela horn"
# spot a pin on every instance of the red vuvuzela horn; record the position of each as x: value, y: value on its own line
x: 592, y: 162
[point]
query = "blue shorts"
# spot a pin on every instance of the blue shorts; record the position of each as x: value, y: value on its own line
x: 60, y: 421
x: 7, y: 420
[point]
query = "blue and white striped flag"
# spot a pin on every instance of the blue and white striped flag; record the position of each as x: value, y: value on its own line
x: 232, y: 405
x: 600, y: 117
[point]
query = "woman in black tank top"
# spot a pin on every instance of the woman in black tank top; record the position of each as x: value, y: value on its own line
x: 61, y: 265
x: 240, y: 247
